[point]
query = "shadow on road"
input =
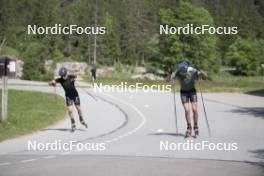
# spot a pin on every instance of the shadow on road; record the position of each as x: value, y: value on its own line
x: 168, y: 134
x: 60, y: 129
x: 259, y: 93
x: 256, y: 112
x: 258, y: 153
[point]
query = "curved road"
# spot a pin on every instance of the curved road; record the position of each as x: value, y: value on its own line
x: 137, y: 132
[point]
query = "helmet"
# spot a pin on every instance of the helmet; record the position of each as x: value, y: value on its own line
x: 63, y: 71
x: 183, y: 66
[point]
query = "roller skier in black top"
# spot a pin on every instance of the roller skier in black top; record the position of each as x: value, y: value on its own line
x: 71, y: 95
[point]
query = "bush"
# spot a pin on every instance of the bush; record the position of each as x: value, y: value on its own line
x: 196, y: 49
x: 245, y: 56
x: 10, y: 51
x: 34, y: 59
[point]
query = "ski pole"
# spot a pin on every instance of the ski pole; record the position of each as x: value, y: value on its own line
x: 206, y: 118
x: 55, y: 91
x: 175, y: 110
x: 88, y: 93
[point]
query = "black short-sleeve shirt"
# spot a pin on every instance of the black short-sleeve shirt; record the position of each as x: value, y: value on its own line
x: 68, y: 85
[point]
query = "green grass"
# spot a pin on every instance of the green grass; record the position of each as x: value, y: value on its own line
x: 224, y: 83
x: 240, y: 84
x: 30, y: 111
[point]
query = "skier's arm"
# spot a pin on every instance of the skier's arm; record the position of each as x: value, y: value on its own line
x: 174, y: 75
x: 171, y: 78
x: 203, y: 74
x: 54, y: 82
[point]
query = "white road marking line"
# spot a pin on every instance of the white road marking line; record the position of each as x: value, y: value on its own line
x: 146, y: 106
x: 28, y: 160
x: 48, y: 157
x: 4, y: 164
x: 143, y: 120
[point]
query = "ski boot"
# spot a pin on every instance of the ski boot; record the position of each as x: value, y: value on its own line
x: 84, y: 124
x: 73, y: 127
x: 188, y: 132
x: 82, y: 121
x: 196, y: 131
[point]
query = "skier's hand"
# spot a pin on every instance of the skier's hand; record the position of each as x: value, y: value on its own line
x: 52, y: 83
x: 203, y: 75
x: 167, y: 78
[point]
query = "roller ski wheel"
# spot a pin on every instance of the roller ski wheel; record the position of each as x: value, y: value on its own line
x: 73, y: 128
x: 84, y: 124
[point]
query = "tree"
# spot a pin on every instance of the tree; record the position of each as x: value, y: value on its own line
x: 132, y: 27
x: 34, y: 60
x: 196, y: 49
x: 245, y: 56
x: 110, y: 46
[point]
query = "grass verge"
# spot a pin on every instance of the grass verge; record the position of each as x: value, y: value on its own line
x: 30, y: 111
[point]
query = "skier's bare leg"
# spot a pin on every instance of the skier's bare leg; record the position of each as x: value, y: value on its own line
x: 195, y: 117
x: 78, y: 107
x: 188, y: 118
x: 70, y: 112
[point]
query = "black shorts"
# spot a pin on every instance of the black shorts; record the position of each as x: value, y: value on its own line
x: 187, y: 96
x: 71, y: 100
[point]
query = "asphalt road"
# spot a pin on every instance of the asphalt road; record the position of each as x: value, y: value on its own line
x: 134, y: 134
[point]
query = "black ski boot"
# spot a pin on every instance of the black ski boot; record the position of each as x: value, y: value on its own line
x: 82, y: 121
x: 73, y: 127
x: 196, y: 131
x: 84, y: 124
x: 188, y: 132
